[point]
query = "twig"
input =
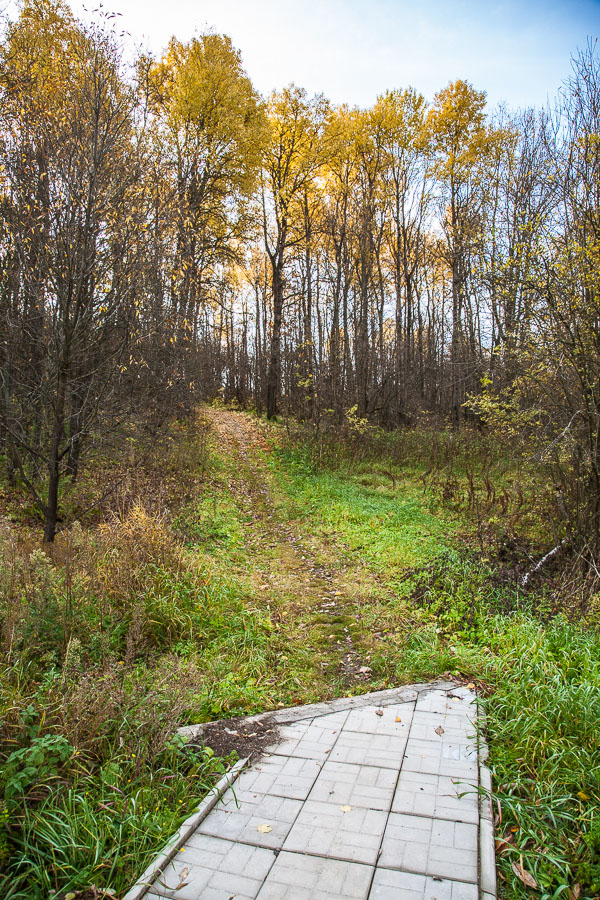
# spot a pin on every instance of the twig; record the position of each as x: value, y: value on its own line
x: 544, y: 559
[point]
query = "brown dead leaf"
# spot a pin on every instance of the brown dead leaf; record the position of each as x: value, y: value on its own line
x: 502, y: 846
x: 182, y: 876
x: 439, y: 730
x: 524, y: 876
x: 575, y: 892
x: 378, y: 712
x: 264, y: 829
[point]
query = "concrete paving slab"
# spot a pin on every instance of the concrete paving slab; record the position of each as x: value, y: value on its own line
x: 215, y: 869
x: 361, y: 748
x: 311, y: 741
x: 437, y: 758
x: 393, y: 720
x: 436, y: 796
x: 430, y: 847
x: 339, y: 832
x: 379, y: 800
x: 298, y: 877
x: 240, y: 815
x: 283, y: 776
x: 371, y: 787
x: 389, y: 884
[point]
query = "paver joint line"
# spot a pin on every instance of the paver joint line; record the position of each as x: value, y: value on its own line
x: 382, y: 799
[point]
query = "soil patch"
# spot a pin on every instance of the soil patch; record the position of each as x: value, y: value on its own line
x: 247, y: 739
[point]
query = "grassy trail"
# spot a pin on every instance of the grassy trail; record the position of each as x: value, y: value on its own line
x: 304, y: 583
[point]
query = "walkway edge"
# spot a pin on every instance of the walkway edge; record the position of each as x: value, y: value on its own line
x: 487, y: 843
x: 404, y: 694
x: 159, y: 864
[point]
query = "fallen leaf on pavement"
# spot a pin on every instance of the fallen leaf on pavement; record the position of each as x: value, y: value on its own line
x: 378, y: 712
x: 264, y: 829
x: 439, y: 730
x: 182, y: 876
x: 345, y: 809
x: 397, y: 719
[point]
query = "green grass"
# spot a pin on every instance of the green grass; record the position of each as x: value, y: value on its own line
x: 150, y: 621
x: 387, y: 530
x: 106, y: 825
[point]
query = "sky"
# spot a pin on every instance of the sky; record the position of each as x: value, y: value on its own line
x: 354, y: 50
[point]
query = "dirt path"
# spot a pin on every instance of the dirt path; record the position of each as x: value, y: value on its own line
x: 310, y: 579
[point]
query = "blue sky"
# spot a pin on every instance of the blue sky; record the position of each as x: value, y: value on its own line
x: 353, y: 50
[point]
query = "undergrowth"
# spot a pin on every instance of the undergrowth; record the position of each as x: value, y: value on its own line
x: 105, y: 654
x: 111, y: 639
x: 157, y: 617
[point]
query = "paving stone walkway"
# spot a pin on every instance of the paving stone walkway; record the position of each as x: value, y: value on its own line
x: 380, y: 797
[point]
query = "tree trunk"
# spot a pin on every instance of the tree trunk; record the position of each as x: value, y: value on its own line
x: 51, y: 510
x: 274, y: 371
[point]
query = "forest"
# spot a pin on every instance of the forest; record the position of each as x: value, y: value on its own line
x: 168, y: 235
x: 401, y: 305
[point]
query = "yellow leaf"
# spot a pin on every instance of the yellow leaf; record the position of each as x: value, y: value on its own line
x: 345, y: 809
x: 582, y: 795
x: 264, y: 829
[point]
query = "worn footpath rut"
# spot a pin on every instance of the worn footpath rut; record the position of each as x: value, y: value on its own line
x: 312, y: 581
